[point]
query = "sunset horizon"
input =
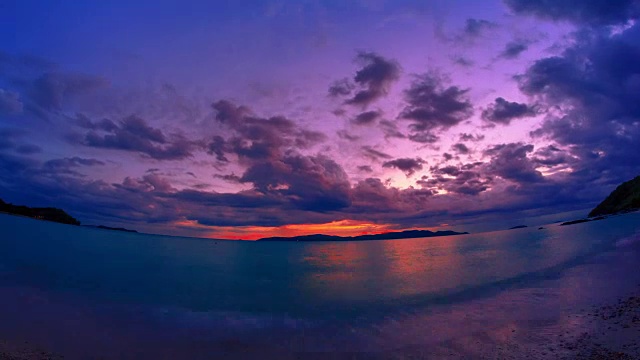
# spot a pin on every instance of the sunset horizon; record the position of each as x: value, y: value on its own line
x: 424, y: 179
x: 486, y: 117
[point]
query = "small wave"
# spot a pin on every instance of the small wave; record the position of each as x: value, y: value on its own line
x: 230, y: 320
x: 628, y: 241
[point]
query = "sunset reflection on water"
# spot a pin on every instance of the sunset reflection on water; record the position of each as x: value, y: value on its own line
x: 383, y: 270
x: 411, y: 269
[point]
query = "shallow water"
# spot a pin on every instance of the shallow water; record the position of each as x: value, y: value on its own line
x: 85, y: 292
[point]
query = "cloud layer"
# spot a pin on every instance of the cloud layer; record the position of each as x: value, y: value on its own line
x: 466, y: 124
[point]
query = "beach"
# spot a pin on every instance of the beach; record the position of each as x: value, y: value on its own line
x: 609, y: 331
x: 570, y: 292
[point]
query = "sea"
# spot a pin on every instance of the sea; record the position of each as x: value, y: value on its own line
x: 85, y: 293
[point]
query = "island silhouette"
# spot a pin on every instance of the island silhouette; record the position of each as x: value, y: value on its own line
x: 44, y: 213
x: 626, y: 197
x: 407, y: 234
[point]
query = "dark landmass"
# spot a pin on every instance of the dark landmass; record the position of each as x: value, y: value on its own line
x: 111, y: 228
x: 624, y: 198
x: 48, y: 213
x: 407, y: 234
x: 582, y: 221
x: 575, y: 222
x: 518, y: 227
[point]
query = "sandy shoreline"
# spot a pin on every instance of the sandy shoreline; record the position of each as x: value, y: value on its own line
x: 605, y: 331
x: 24, y: 351
x: 615, y: 334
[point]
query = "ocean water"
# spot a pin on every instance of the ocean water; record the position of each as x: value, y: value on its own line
x: 88, y: 293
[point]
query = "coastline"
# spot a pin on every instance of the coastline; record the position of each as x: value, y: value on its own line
x: 566, y: 314
x: 607, y: 331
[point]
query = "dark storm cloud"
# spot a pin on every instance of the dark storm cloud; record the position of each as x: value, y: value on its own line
x: 460, y: 148
x: 10, y: 139
x: 343, y: 134
x: 390, y: 130
x: 11, y: 167
x: 472, y: 30
x: 424, y: 138
x: 514, y: 48
x: 306, y: 139
x: 476, y: 27
x: 269, y: 147
x: 10, y: 103
x: 471, y: 137
x: 135, y: 135
x: 593, y: 12
x: 596, y: 107
x: 503, y: 111
x: 341, y: 87
x: 552, y: 156
x: 313, y: 188
x: 218, y: 147
x: 373, y: 154
x: 371, y: 82
x: 256, y: 138
x: 28, y: 181
x: 510, y: 162
x: 468, y: 183
x: 232, y: 178
x: 447, y: 170
x: 241, y: 200
x: 366, y: 118
x: 407, y: 165
x: 85, y: 122
x: 433, y: 105
x: 309, y: 182
x: 466, y: 179
x: 229, y: 113
x: 148, y: 183
x: 373, y: 199
x: 462, y: 61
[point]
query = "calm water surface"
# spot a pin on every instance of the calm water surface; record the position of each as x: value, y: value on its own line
x: 353, y: 296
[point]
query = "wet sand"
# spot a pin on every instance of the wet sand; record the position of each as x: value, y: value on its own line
x: 24, y: 351
x: 606, y: 331
x: 610, y: 331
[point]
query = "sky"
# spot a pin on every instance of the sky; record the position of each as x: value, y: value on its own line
x: 247, y: 119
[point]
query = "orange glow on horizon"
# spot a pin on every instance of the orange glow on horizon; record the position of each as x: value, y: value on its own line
x: 339, y: 227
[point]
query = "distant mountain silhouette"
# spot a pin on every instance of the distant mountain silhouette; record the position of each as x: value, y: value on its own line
x: 573, y: 222
x: 48, y: 213
x: 111, y: 228
x: 625, y: 197
x: 407, y: 234
x: 579, y: 221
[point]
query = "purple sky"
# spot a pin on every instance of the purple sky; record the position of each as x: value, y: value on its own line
x: 238, y: 119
